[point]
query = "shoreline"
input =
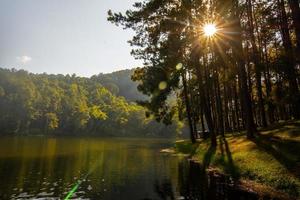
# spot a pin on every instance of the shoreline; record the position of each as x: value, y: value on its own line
x: 267, y: 165
x: 262, y: 191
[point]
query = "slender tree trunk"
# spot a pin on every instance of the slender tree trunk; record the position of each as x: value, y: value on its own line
x: 226, y: 110
x: 238, y: 52
x: 290, y: 61
x: 268, y: 84
x: 294, y: 5
x: 193, y: 103
x: 203, y: 100
x: 219, y: 105
x: 234, y: 124
x: 257, y: 63
x: 202, y: 121
x: 188, y: 108
x: 236, y: 105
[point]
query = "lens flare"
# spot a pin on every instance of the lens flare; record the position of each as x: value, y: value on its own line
x: 162, y: 85
x: 179, y: 66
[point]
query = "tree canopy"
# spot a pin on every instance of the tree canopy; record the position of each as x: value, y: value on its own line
x: 58, y: 104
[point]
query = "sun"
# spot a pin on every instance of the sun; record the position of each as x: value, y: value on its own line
x: 209, y: 30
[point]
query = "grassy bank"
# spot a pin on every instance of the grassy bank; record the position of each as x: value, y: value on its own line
x: 271, y: 159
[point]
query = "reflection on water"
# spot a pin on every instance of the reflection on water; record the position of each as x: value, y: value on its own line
x: 48, y: 168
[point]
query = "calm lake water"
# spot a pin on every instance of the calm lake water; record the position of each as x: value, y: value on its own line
x: 96, y: 168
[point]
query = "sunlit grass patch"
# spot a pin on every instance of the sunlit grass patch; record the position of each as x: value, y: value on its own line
x: 256, y: 163
x: 284, y: 130
x: 271, y: 159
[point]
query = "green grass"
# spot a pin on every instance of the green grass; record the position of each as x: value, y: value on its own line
x: 185, y: 147
x: 271, y: 159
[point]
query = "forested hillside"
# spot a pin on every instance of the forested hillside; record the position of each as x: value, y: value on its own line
x: 119, y: 83
x: 48, y: 104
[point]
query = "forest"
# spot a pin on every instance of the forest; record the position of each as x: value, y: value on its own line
x: 71, y: 105
x: 242, y: 73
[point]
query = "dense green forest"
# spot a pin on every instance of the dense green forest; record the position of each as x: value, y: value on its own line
x: 59, y: 104
x: 233, y: 64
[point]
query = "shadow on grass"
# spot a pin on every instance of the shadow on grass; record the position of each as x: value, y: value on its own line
x: 229, y: 166
x: 291, y: 127
x: 208, y: 156
x: 285, y: 151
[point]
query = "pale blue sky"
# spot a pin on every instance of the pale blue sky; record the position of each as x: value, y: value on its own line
x: 63, y: 36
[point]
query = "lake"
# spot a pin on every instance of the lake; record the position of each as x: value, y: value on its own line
x: 96, y: 168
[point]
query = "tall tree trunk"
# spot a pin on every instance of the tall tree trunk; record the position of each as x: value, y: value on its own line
x: 236, y: 105
x: 238, y: 52
x: 202, y: 121
x: 268, y: 84
x: 188, y: 108
x: 294, y: 5
x: 257, y: 63
x: 219, y: 105
x: 203, y: 100
x: 194, y: 111
x: 232, y: 115
x: 226, y: 110
x: 289, y: 60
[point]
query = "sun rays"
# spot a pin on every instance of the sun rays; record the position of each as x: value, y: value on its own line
x: 210, y: 30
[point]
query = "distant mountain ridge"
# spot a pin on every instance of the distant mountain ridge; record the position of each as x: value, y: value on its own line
x: 120, y: 84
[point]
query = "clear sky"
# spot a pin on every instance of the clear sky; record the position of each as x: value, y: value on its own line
x: 63, y: 36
